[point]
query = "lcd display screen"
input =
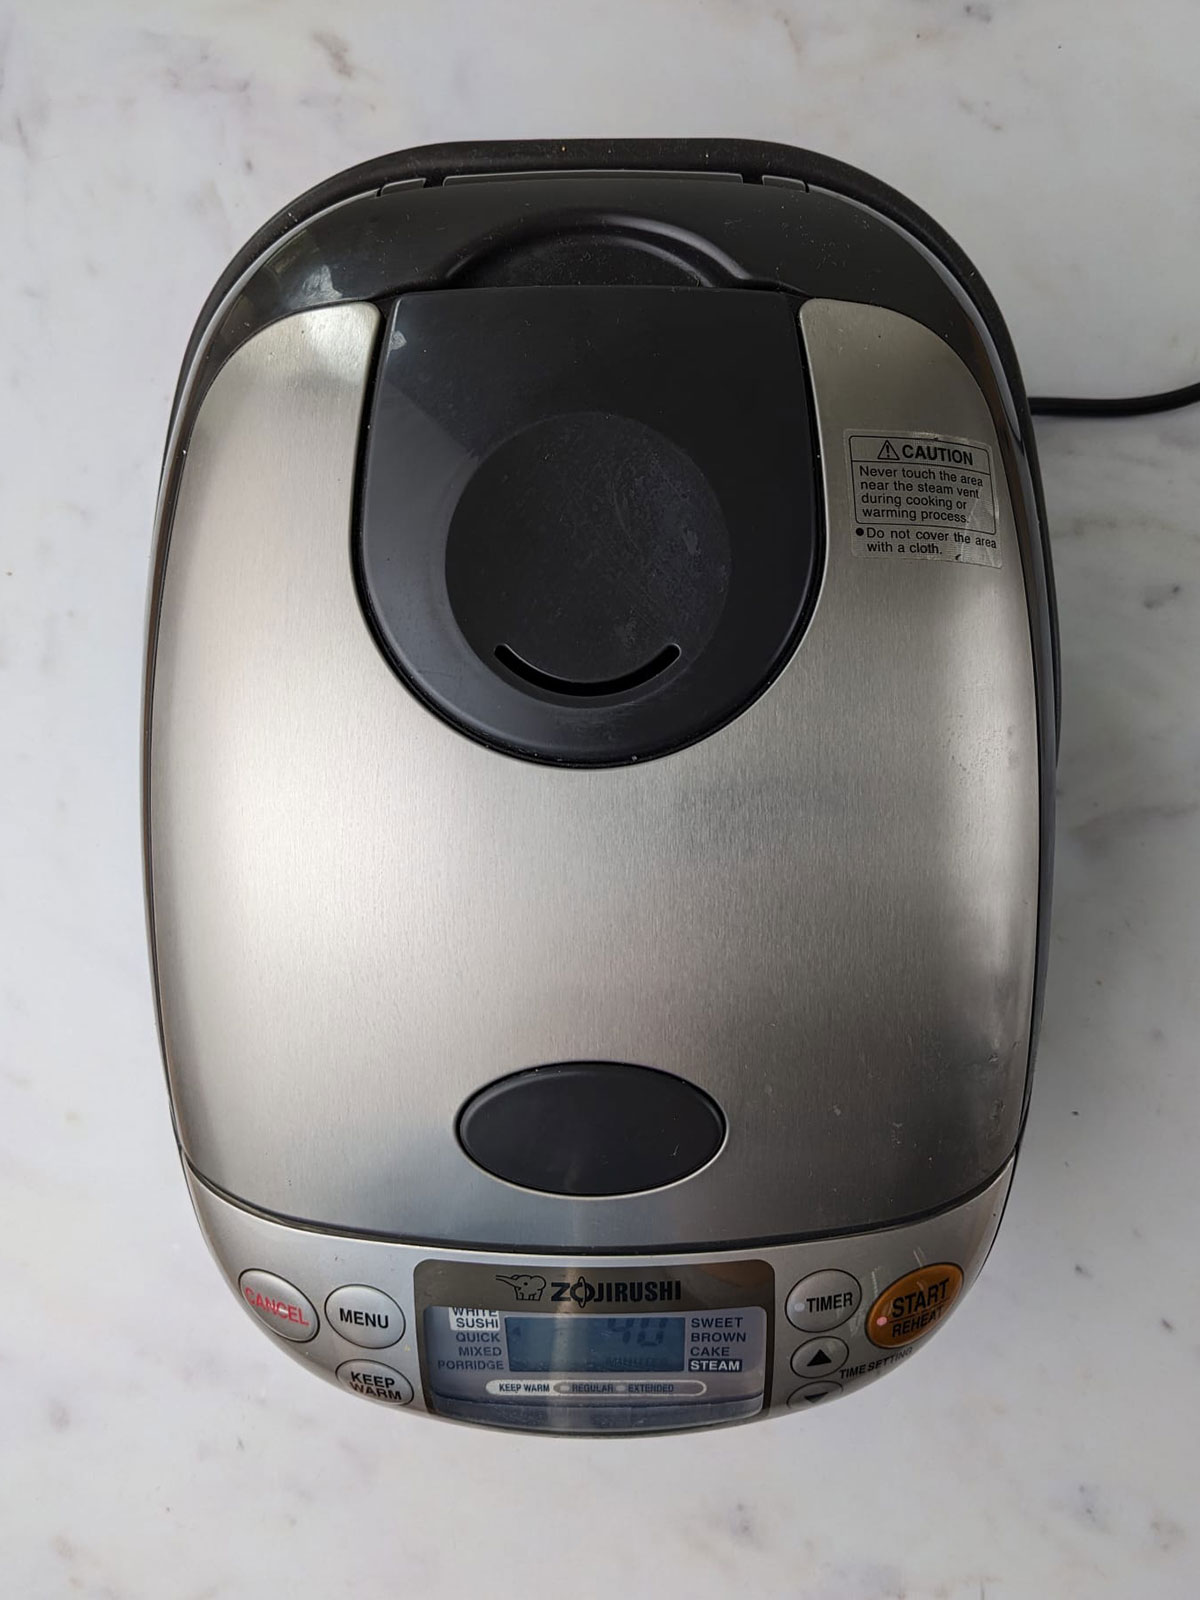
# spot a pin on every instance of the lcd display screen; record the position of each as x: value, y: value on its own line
x: 595, y: 1344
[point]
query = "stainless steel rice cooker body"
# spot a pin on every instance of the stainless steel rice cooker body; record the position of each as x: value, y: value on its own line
x: 600, y: 727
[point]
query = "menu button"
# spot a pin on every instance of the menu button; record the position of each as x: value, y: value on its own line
x: 365, y: 1316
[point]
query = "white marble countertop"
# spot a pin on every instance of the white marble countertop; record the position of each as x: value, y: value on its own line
x: 153, y: 1444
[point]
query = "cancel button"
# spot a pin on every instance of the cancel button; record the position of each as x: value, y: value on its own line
x: 913, y: 1305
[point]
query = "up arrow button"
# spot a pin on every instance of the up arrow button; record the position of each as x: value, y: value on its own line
x: 824, y: 1356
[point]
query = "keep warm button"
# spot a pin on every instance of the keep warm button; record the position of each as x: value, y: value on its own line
x: 913, y: 1305
x: 279, y: 1304
x: 374, y: 1381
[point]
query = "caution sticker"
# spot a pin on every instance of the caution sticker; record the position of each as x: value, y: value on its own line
x: 922, y: 495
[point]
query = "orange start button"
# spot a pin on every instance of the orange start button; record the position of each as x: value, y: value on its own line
x: 913, y: 1304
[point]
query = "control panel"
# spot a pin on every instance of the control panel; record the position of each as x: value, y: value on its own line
x: 623, y: 1349
x: 613, y: 1344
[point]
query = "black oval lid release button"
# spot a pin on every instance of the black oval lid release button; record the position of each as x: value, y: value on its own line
x: 591, y: 1128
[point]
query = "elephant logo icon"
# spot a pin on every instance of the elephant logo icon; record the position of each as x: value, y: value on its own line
x: 525, y: 1285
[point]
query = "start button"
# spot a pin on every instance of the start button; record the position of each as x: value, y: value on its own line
x: 913, y: 1304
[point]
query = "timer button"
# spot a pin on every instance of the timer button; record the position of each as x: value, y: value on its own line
x: 365, y: 1316
x: 279, y: 1305
x: 823, y: 1300
x: 375, y: 1382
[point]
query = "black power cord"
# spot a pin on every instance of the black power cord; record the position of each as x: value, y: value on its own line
x: 1136, y: 405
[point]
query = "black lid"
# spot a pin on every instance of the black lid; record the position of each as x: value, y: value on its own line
x: 588, y: 523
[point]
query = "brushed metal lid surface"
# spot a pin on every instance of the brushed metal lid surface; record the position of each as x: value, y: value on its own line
x: 824, y: 915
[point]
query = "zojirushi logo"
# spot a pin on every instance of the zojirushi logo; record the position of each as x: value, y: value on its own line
x: 585, y: 1293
